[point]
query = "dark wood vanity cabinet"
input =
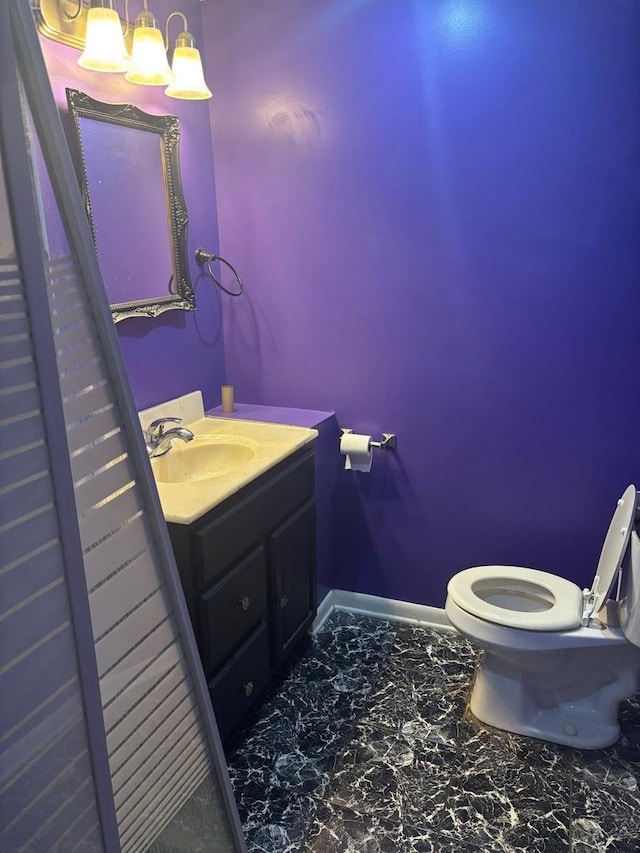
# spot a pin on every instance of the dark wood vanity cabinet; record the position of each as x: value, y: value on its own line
x: 248, y: 568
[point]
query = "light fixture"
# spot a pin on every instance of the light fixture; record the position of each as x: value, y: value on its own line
x: 189, y: 83
x: 96, y: 28
x: 104, y: 48
x: 148, y: 56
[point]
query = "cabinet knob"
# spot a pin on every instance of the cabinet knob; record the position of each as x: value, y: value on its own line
x: 245, y: 602
x: 284, y: 600
x: 248, y: 688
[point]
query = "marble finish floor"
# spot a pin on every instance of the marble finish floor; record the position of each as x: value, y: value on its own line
x: 368, y: 746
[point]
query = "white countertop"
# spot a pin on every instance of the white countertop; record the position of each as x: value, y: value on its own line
x: 185, y: 502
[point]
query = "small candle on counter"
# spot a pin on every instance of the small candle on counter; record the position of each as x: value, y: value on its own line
x: 228, y: 405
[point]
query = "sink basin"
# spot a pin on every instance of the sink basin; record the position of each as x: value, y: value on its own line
x: 224, y: 457
x: 203, y: 458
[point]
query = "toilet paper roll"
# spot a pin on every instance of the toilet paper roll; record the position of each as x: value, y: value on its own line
x: 357, y: 449
x: 227, y: 396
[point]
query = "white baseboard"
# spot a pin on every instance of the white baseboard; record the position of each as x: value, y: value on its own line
x: 325, y: 609
x: 381, y: 608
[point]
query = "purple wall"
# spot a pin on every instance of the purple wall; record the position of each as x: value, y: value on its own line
x: 178, y: 351
x: 436, y: 211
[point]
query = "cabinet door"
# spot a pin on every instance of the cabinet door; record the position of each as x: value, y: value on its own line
x: 244, y: 520
x: 241, y: 682
x: 231, y: 609
x: 293, y: 562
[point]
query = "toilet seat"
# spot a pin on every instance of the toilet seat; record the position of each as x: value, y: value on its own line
x: 538, y: 601
x: 518, y: 597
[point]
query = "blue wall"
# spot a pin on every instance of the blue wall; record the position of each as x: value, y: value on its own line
x: 436, y: 210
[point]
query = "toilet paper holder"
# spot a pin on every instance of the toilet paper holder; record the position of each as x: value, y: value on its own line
x: 388, y: 441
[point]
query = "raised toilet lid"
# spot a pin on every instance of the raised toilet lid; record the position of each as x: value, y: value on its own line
x: 614, y: 548
x: 518, y: 597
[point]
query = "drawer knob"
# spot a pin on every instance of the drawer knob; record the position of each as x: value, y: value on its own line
x: 284, y: 600
x: 245, y: 602
x: 248, y: 688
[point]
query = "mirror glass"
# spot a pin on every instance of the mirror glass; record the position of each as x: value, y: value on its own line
x: 133, y: 198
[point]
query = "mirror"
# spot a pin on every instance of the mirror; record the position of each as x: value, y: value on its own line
x: 133, y: 197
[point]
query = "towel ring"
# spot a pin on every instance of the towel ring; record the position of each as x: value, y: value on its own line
x: 204, y: 257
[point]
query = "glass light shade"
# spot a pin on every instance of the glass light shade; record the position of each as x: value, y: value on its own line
x: 189, y: 82
x: 104, y: 48
x: 149, y: 58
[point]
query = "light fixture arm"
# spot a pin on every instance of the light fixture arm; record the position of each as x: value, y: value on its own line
x: 76, y: 14
x: 127, y: 25
x: 185, y: 39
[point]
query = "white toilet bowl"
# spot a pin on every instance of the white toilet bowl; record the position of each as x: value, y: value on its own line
x: 557, y: 660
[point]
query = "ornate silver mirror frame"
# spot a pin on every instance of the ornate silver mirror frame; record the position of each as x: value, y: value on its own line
x: 172, y: 291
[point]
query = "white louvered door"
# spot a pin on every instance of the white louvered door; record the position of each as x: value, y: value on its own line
x: 47, y: 793
x: 150, y: 716
x: 157, y: 750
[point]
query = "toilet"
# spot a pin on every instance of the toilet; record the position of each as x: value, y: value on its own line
x: 557, y: 660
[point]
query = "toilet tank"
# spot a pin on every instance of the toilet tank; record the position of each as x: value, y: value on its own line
x: 629, y: 606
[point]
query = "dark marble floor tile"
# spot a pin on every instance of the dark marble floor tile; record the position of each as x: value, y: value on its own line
x: 447, y: 845
x: 416, y: 703
x: 293, y: 773
x: 314, y: 719
x: 249, y: 788
x: 442, y: 653
x: 617, y: 766
x: 510, y: 792
x: 338, y: 830
x: 547, y: 758
x: 343, y: 627
x: 630, y: 712
x: 347, y: 639
x: 297, y: 735
x: 392, y: 777
x: 605, y: 818
x: 326, y: 664
x: 278, y: 823
x: 340, y: 673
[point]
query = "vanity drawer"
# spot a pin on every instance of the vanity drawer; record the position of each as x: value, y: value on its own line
x: 231, y: 609
x: 246, y: 519
x: 242, y: 681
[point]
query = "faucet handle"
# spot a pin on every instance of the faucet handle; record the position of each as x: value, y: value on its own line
x: 156, y: 428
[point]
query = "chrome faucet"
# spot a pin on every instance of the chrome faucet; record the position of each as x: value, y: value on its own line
x: 158, y: 439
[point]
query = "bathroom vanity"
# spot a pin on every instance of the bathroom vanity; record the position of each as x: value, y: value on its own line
x: 247, y: 563
x: 248, y: 568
